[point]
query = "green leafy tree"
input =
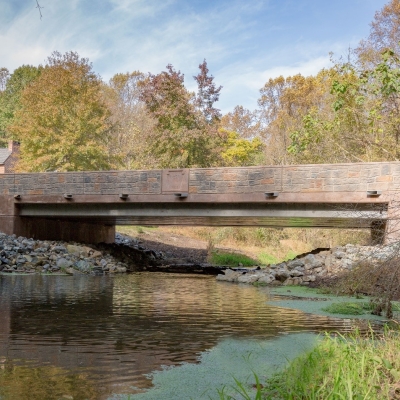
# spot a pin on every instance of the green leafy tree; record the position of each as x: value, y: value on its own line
x: 63, y: 122
x: 240, y: 152
x: 365, y: 123
x: 11, y: 87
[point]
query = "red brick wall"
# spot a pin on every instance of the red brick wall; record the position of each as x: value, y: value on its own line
x: 9, y: 165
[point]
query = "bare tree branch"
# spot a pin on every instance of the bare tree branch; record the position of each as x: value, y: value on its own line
x: 39, y: 7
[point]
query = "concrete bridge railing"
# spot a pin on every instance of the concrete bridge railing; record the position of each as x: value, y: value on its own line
x: 326, y: 178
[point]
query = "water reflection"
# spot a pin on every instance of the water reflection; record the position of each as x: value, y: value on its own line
x: 109, y: 332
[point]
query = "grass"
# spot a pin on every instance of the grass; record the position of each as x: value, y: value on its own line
x: 348, y: 308
x: 266, y: 258
x: 342, y: 368
x: 231, y: 259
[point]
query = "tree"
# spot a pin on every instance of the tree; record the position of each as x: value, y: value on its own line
x: 63, y: 123
x: 207, y: 94
x: 244, y: 122
x: 184, y: 136
x: 11, y: 87
x: 384, y: 35
x: 133, y: 124
x: 4, y: 76
x: 239, y: 152
x: 365, y: 123
x: 282, y: 105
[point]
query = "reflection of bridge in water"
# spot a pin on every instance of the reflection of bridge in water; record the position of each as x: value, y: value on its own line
x: 115, y: 330
x: 85, y: 206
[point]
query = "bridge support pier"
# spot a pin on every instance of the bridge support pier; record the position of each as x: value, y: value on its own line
x: 392, y: 231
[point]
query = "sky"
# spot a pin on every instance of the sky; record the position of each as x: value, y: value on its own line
x: 244, y: 42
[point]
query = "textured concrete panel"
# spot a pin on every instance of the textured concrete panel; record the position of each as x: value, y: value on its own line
x: 117, y: 182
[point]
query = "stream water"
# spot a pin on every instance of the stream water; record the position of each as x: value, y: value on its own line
x: 85, y: 337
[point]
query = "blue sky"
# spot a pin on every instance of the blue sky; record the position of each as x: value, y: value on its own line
x: 244, y: 42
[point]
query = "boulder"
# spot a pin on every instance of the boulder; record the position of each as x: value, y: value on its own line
x: 309, y: 278
x: 311, y: 262
x: 248, y: 278
x: 231, y: 275
x: 295, y: 273
x: 295, y: 263
x: 78, y: 250
x: 63, y: 263
x: 281, y: 275
x: 266, y: 279
x: 83, y: 266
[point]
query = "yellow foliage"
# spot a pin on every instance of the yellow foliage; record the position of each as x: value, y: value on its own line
x: 63, y: 122
x: 238, y: 151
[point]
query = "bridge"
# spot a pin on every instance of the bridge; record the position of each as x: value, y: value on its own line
x: 86, y: 206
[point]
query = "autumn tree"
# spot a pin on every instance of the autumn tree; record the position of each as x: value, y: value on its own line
x: 241, y: 152
x: 133, y: 124
x: 11, y: 87
x: 63, y: 123
x: 207, y: 94
x: 244, y: 122
x: 185, y: 134
x: 282, y: 105
x: 384, y: 35
x: 365, y: 124
x: 245, y: 138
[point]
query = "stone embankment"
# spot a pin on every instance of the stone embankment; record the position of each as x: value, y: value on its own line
x: 312, y: 267
x: 29, y: 256
x: 22, y: 255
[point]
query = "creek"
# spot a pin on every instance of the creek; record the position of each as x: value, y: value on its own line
x: 101, y: 337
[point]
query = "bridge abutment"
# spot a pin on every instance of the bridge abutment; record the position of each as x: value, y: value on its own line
x: 55, y: 229
x: 51, y: 229
x: 392, y: 227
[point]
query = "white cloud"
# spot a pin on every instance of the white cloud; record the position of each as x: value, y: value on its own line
x: 242, y: 41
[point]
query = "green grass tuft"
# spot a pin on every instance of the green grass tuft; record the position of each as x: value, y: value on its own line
x: 290, y: 255
x: 346, y: 308
x: 232, y: 259
x: 342, y: 368
x: 266, y: 259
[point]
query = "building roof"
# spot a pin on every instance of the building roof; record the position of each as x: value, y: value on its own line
x: 4, y: 154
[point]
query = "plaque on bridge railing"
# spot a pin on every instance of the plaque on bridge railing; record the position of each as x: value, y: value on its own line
x: 175, y: 181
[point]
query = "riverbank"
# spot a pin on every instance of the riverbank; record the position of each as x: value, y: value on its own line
x: 342, y: 368
x: 314, y: 268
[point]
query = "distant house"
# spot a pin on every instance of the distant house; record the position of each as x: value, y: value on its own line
x: 9, y: 157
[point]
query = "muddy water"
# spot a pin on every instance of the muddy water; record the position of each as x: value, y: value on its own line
x: 94, y: 337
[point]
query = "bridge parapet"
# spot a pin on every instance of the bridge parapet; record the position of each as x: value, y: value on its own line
x: 91, y: 183
x: 320, y: 178
x: 297, y: 178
